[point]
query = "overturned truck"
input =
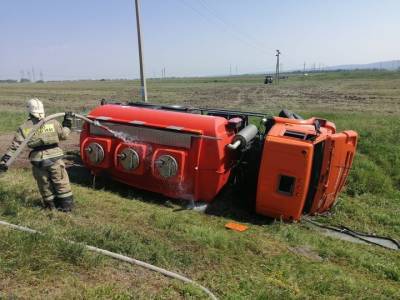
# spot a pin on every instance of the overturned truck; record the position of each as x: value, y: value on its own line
x: 286, y: 166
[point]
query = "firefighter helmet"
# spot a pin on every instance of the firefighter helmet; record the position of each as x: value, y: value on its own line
x: 35, y: 108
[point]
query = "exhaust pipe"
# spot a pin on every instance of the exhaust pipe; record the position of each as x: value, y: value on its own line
x: 243, y: 137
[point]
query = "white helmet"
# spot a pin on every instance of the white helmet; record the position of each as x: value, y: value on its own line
x: 35, y: 108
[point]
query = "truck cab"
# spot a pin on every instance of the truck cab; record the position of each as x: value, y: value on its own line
x: 304, y: 166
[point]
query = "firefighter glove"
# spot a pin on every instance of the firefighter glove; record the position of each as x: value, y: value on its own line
x: 3, y: 161
x: 3, y: 167
x: 67, y: 122
x: 5, y: 158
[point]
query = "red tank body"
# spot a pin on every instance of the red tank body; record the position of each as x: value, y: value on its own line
x: 175, y: 155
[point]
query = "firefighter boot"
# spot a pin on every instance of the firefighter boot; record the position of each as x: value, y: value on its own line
x: 65, y: 204
x: 57, y: 203
x: 49, y: 205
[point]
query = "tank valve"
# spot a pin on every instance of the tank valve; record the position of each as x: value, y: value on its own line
x: 129, y: 159
x: 122, y: 156
x: 95, y: 153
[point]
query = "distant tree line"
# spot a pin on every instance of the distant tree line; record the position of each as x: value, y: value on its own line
x: 8, y: 81
x: 22, y: 80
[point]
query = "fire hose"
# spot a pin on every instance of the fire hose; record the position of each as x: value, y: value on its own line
x: 88, y: 247
x: 347, y: 234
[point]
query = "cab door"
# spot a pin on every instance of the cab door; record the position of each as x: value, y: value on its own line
x: 284, y: 177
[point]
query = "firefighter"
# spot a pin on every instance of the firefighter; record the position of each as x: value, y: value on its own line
x: 48, y: 168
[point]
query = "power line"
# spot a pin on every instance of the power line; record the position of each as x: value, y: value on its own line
x: 226, y: 27
x: 232, y: 27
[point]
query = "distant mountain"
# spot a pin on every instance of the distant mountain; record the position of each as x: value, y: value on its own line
x: 385, y: 65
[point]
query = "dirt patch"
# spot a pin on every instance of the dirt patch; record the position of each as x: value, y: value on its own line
x: 306, y: 252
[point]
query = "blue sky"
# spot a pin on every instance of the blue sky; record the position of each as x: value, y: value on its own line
x: 74, y: 39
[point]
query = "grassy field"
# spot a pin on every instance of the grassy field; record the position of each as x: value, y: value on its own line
x: 272, y: 260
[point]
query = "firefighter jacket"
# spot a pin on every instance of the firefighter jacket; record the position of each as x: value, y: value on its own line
x: 44, y: 143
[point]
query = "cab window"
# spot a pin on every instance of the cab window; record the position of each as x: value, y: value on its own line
x: 286, y: 185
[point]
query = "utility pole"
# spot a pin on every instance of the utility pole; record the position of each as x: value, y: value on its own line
x: 304, y: 68
x: 163, y: 73
x: 277, y: 66
x: 33, y: 75
x: 143, y: 88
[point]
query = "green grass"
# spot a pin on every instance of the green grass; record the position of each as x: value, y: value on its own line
x: 235, y: 265
x: 257, y: 264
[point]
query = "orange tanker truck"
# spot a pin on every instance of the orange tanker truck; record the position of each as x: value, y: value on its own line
x: 285, y: 166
